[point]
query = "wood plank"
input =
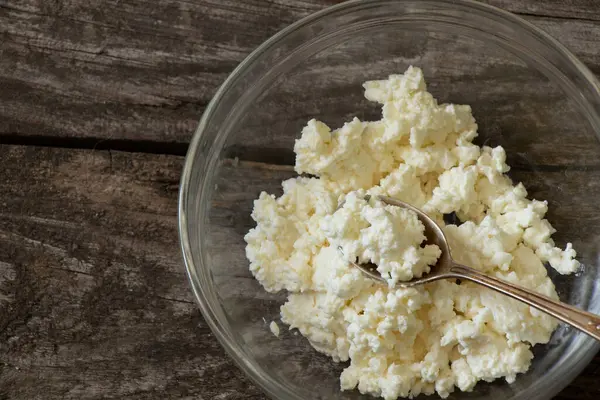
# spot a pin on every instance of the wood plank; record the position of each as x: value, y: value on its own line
x: 123, y: 70
x: 94, y: 302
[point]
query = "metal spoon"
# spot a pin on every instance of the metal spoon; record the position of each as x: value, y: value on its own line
x: 446, y: 268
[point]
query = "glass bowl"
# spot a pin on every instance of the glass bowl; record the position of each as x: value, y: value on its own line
x: 528, y: 94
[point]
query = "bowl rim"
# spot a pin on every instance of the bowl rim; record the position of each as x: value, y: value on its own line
x: 233, y: 349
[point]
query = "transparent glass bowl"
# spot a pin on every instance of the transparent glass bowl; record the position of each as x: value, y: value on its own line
x: 528, y: 93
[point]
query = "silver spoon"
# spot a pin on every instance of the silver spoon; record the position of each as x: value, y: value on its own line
x: 447, y: 268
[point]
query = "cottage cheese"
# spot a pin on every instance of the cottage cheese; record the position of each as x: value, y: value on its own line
x: 390, y: 237
x: 274, y: 328
x: 428, y: 339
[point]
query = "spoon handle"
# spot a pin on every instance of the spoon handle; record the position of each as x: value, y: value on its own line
x: 582, y: 320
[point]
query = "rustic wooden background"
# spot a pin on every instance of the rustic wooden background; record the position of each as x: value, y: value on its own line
x: 98, y: 100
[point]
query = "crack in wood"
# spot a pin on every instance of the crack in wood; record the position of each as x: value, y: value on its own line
x: 130, y: 146
x: 176, y: 300
x: 555, y: 16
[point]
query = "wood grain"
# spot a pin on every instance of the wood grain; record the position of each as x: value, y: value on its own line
x: 122, y: 69
x: 119, y: 69
x: 94, y: 302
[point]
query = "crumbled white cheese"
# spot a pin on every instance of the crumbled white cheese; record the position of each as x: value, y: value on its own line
x: 387, y: 236
x: 274, y: 328
x: 435, y: 337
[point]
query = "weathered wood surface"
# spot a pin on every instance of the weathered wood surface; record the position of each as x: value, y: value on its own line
x: 94, y: 302
x: 121, y: 69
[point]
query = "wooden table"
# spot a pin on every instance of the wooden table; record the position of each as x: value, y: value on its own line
x: 98, y: 100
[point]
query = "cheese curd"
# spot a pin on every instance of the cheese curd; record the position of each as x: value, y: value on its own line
x: 389, y: 237
x: 435, y: 337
